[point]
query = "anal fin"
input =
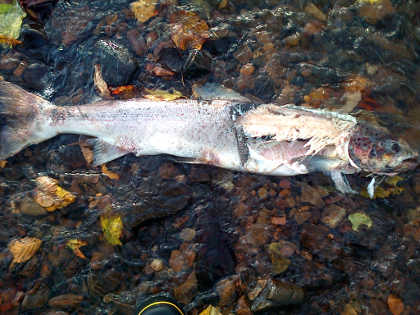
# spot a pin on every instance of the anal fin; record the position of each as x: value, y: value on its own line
x: 104, y: 152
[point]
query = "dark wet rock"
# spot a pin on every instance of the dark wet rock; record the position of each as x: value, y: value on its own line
x: 215, y: 259
x: 117, y: 63
x: 157, y: 202
x: 375, y: 11
x: 178, y: 261
x: 242, y: 307
x: 66, y: 301
x: 264, y: 87
x: 226, y: 290
x: 138, y: 44
x: 36, y: 298
x: 9, y: 63
x: 276, y: 294
x: 28, y: 206
x: 411, y: 292
x: 186, y: 291
x: 170, y: 58
x: 312, y: 195
x: 315, y: 239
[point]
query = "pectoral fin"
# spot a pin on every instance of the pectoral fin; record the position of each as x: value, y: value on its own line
x: 341, y: 182
x: 104, y: 152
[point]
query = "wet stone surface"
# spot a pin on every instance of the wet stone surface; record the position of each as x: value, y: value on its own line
x: 241, y: 243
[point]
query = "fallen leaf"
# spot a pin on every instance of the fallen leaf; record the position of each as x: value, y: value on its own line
x: 11, y: 16
x: 144, y: 9
x: 359, y: 218
x: 390, y: 189
x: 108, y: 173
x: 112, y: 226
x: 122, y: 89
x: 3, y: 163
x: 9, y: 41
x: 86, y: 149
x: 211, y: 310
x: 188, y: 30
x: 74, y: 245
x: 51, y: 196
x: 162, y: 95
x: 24, y: 249
x: 317, y: 96
x: 396, y: 306
x: 100, y: 83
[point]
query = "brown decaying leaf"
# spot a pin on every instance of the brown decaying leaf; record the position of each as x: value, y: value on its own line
x: 51, y: 196
x: 74, y: 245
x: 108, y: 173
x: 24, y: 249
x: 124, y: 91
x: 86, y: 149
x: 100, y: 83
x: 188, y: 30
x: 396, y: 306
x: 9, y: 41
x: 144, y: 9
x: 3, y: 163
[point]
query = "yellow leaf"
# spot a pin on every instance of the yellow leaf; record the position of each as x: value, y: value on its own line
x: 211, y: 310
x: 24, y: 249
x: 390, y: 189
x: 108, y: 173
x: 359, y: 218
x: 74, y: 245
x: 3, y: 163
x: 393, y: 180
x: 11, y: 16
x: 51, y: 196
x: 161, y: 95
x: 188, y: 30
x: 112, y: 226
x: 144, y: 9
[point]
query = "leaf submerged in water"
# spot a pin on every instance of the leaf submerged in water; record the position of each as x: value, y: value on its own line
x: 188, y: 30
x: 51, y: 196
x: 112, y: 226
x: 359, y: 218
x: 11, y: 16
x: 211, y: 310
x: 74, y: 245
x: 144, y: 9
x: 161, y: 95
x: 24, y: 249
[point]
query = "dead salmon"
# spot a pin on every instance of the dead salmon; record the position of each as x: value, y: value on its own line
x: 258, y: 138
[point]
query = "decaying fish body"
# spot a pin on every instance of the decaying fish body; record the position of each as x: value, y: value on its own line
x: 267, y: 139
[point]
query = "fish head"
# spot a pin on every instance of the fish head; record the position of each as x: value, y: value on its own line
x: 376, y: 151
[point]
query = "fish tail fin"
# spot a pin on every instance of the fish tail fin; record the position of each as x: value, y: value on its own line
x: 23, y: 119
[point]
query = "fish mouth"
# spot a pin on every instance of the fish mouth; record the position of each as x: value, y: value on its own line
x: 409, y: 164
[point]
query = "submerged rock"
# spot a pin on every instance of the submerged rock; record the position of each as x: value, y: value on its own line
x: 277, y: 294
x: 117, y: 63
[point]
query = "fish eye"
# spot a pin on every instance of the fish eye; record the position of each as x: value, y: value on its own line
x: 395, y: 147
x: 372, y: 152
